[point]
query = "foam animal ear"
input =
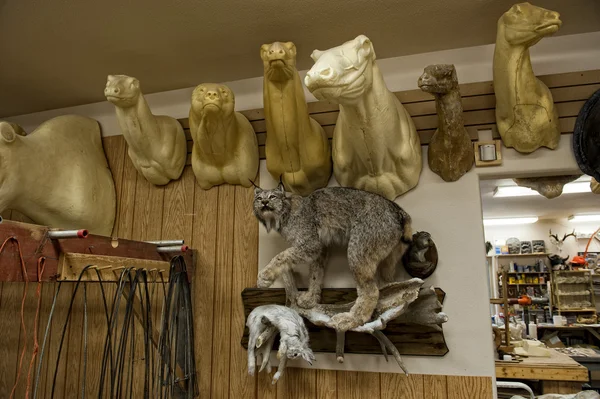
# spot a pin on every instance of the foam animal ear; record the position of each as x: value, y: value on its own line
x: 316, y: 54
x: 264, y: 49
x: 7, y: 132
x: 291, y: 47
x: 364, y: 48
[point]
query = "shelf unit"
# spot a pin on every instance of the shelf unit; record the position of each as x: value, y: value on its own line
x: 568, y: 286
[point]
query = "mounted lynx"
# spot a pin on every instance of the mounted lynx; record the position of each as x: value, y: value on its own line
x: 297, y: 148
x: 375, y: 143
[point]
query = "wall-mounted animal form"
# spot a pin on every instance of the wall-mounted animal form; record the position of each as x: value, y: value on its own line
x: 558, y: 242
x: 375, y: 143
x: 225, y: 146
x: 548, y: 186
x: 376, y: 231
x: 58, y: 175
x: 264, y: 323
x: 586, y: 137
x: 595, y: 186
x: 450, y: 152
x: 156, y: 144
x: 557, y: 263
x: 421, y: 258
x: 297, y: 148
x: 525, y: 113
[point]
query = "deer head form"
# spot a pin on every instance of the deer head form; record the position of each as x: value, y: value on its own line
x: 558, y: 242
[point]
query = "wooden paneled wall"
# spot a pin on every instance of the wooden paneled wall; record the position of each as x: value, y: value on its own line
x: 219, y: 224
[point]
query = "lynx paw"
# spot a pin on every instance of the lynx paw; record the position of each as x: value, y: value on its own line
x: 265, y: 279
x: 345, y: 321
x: 276, y: 377
x: 307, y: 300
x: 251, y: 370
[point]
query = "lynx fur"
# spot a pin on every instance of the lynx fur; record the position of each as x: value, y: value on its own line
x: 375, y: 230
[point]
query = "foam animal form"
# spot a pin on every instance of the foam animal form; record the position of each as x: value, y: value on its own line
x: 450, y: 151
x: 580, y: 395
x: 156, y: 144
x: 225, y: 146
x: 548, y: 186
x: 415, y: 263
x: 297, y: 148
x: 375, y: 230
x: 595, y: 186
x: 375, y: 143
x: 525, y: 113
x: 264, y: 322
x: 58, y: 175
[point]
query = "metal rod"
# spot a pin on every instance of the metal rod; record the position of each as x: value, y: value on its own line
x: 166, y: 243
x: 55, y: 234
x: 174, y: 248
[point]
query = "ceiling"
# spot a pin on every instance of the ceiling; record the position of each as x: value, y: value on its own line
x: 58, y: 53
x: 557, y: 208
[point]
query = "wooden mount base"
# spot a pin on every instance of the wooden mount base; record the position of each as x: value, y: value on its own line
x: 410, y: 339
x: 35, y: 243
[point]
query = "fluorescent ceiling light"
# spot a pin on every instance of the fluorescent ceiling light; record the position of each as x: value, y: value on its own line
x: 518, y: 191
x: 509, y: 221
x: 584, y: 218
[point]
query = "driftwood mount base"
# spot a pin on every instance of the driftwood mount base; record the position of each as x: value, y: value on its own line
x: 410, y: 339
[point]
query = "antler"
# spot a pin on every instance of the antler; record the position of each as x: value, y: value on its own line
x: 569, y: 235
x: 555, y: 236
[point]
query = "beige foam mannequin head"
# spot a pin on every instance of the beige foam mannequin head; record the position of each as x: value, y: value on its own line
x: 450, y: 151
x: 156, y: 143
x: 297, y: 148
x: 525, y: 113
x: 225, y: 146
x: 58, y: 175
x: 375, y: 143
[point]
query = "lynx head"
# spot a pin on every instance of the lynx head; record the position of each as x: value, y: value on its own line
x: 279, y: 61
x: 297, y: 349
x: 271, y: 206
x: 122, y: 90
x: 439, y: 79
x: 526, y: 24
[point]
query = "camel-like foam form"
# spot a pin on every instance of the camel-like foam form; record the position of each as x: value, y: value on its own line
x: 58, y: 175
x: 156, y: 143
x: 375, y: 143
x: 525, y: 113
x: 225, y: 146
x: 297, y: 148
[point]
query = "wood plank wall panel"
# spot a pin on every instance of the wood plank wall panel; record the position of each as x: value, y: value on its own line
x: 218, y: 223
x: 569, y: 91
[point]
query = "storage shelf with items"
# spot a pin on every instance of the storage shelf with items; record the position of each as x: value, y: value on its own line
x: 573, y: 293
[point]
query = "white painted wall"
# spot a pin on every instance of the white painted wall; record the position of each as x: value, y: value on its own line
x: 539, y: 231
x: 451, y: 212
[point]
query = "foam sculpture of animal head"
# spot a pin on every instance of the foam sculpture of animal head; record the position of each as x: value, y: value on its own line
x: 279, y: 61
x: 211, y: 99
x: 58, y: 175
x: 342, y: 73
x: 438, y: 79
x: 526, y: 24
x: 122, y: 90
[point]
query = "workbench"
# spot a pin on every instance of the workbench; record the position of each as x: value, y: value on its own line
x: 558, y: 373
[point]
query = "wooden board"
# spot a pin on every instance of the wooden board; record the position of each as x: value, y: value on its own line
x: 410, y: 339
x: 559, y: 367
x: 569, y: 91
x: 35, y: 244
